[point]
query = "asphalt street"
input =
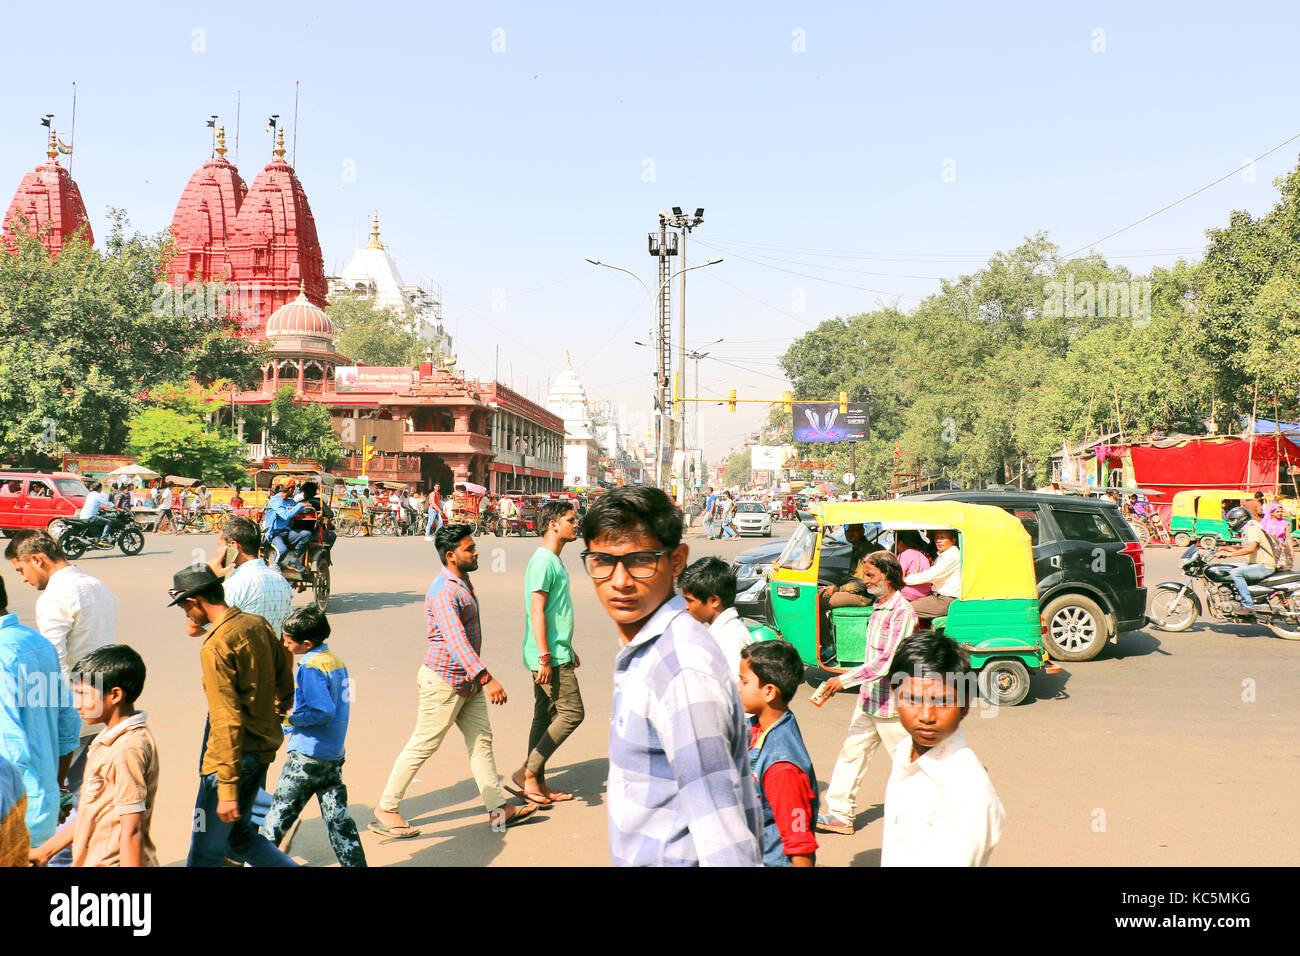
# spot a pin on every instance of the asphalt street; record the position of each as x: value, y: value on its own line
x: 1168, y: 749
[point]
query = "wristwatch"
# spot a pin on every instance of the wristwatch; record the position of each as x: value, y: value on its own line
x: 484, y: 678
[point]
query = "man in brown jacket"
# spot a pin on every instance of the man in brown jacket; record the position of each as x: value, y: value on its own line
x: 248, y: 680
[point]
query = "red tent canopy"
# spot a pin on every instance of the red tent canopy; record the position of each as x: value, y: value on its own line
x: 1250, y: 464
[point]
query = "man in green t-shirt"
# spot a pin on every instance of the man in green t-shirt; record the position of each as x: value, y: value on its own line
x: 549, y: 654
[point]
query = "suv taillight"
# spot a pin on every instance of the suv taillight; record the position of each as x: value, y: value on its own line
x: 1134, y: 550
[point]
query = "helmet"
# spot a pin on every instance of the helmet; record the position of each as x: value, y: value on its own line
x: 1237, y: 518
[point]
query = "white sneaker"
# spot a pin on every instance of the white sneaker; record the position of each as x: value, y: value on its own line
x: 428, y: 538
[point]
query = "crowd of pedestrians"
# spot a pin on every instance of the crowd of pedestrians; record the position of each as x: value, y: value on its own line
x: 707, y: 765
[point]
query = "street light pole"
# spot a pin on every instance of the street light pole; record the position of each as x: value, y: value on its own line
x: 656, y: 299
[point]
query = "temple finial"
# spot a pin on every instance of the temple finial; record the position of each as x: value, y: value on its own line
x: 279, y: 145
x: 221, y: 141
x: 374, y: 242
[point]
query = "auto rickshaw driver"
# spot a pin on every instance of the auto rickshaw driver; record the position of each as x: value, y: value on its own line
x: 287, y: 540
x: 852, y: 592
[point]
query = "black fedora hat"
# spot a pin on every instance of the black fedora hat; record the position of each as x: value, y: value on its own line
x: 191, y: 581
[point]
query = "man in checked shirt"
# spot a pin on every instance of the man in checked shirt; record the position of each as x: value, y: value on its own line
x: 455, y: 687
x: 681, y: 792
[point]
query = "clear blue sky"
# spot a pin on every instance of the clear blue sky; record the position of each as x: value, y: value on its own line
x: 502, y: 170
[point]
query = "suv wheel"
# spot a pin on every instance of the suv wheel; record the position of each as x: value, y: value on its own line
x: 1076, y: 628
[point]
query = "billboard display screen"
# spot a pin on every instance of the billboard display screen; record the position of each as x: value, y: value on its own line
x: 823, y: 421
x: 372, y: 378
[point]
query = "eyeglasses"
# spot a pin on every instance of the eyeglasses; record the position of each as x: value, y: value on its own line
x: 639, y: 564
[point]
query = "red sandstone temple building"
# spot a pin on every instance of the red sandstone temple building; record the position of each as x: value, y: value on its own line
x: 259, y: 243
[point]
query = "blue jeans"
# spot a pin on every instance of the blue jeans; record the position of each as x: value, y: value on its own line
x: 282, y: 541
x: 1243, y: 575
x: 729, y: 532
x: 709, y: 529
x: 212, y: 840
x: 435, y: 521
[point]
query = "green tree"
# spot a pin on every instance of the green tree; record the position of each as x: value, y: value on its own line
x: 302, y: 430
x: 736, y: 469
x: 374, y: 336
x: 82, y: 336
x: 169, y: 435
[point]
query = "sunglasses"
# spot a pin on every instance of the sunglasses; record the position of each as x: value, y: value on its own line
x: 639, y: 564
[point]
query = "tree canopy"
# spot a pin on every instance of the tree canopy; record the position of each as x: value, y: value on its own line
x: 374, y: 336
x: 85, y: 335
x: 1030, y: 351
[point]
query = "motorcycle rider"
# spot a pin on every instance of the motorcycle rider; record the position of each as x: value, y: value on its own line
x: 1257, y: 547
x: 95, y: 503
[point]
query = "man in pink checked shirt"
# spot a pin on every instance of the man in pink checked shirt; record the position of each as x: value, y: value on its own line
x: 455, y: 688
x: 875, y: 716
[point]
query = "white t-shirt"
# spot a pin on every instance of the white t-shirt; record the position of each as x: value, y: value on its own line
x: 940, y: 809
x: 76, y: 613
x: 944, y: 576
x: 731, y: 634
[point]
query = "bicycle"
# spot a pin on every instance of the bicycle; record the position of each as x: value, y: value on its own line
x: 198, y: 522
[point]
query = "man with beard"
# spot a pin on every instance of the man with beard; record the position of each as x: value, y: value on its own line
x: 875, y: 717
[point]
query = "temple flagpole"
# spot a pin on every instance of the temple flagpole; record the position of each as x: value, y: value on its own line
x: 72, y: 136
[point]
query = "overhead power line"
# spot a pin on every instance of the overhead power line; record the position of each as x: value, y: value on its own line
x: 1195, y: 192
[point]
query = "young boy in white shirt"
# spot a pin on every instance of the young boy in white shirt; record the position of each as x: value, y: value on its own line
x: 940, y: 806
x: 709, y: 588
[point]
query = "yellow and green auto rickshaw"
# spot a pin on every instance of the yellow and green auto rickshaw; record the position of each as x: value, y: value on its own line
x: 996, y: 617
x: 1197, y: 515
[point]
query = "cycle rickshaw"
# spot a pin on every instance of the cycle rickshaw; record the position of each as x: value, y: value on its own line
x: 315, y: 576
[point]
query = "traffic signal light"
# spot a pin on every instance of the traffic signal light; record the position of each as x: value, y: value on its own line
x: 368, y: 451
x: 844, y: 403
x: 731, y: 401
x: 789, y: 400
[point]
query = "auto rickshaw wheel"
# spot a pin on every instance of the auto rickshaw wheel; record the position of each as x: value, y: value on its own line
x: 320, y: 585
x: 1076, y: 628
x: 1182, y: 539
x: 1004, y: 682
x: 1209, y: 541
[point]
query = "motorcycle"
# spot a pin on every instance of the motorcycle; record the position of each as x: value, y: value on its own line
x: 123, y: 532
x: 1176, y: 607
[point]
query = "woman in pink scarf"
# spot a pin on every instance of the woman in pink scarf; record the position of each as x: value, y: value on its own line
x: 1275, y: 524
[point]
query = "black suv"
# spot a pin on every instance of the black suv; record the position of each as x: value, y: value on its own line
x: 1088, y: 561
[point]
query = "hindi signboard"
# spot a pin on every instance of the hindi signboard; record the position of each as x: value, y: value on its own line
x: 372, y: 378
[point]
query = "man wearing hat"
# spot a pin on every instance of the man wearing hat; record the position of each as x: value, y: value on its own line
x: 248, y: 680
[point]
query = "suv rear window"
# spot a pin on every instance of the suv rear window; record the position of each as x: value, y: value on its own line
x: 1029, y: 518
x: 1090, y: 526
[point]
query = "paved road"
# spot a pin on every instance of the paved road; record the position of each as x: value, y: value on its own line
x: 1169, y: 749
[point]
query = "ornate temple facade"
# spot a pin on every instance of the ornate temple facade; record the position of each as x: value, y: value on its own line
x: 48, y: 204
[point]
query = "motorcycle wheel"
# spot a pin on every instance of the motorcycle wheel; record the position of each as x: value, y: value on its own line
x: 131, y: 541
x: 55, y: 528
x: 72, y: 545
x: 1288, y: 631
x: 1173, y: 612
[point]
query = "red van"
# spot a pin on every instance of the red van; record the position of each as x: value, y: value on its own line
x: 31, y: 499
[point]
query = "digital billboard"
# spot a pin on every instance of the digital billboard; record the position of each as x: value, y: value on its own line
x: 823, y: 421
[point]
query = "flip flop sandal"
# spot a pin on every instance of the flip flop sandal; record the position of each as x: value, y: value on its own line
x: 393, y: 833
x: 534, y: 798
x: 511, y: 819
x: 560, y: 796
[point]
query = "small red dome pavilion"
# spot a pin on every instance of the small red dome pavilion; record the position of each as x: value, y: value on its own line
x: 50, y: 202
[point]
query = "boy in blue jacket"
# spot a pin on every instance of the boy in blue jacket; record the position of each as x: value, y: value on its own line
x: 317, y: 726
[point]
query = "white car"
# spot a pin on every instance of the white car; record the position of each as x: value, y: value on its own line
x: 752, y: 518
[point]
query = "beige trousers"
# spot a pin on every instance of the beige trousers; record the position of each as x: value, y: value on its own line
x: 440, y: 707
x: 866, y: 733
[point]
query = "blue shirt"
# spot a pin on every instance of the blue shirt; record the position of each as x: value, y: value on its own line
x: 322, y: 700
x: 255, y: 588
x: 680, y: 789
x: 38, y: 723
x: 279, y: 512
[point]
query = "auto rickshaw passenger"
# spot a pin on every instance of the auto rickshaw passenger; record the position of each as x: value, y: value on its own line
x: 853, y: 592
x: 914, y: 557
x: 321, y: 508
x: 944, y: 576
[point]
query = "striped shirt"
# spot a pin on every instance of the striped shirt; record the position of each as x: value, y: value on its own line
x: 451, y: 611
x: 890, y: 623
x: 681, y: 792
x: 255, y: 588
